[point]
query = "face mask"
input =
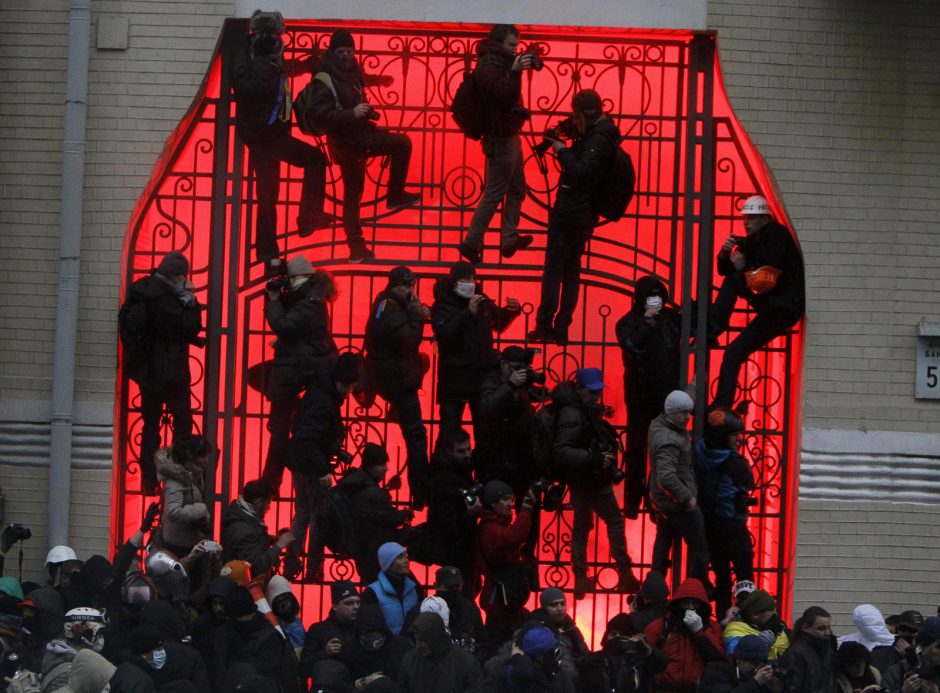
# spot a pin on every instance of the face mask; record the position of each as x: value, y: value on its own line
x: 158, y: 658
x: 654, y: 302
x: 299, y: 281
x: 464, y: 289
x: 372, y: 641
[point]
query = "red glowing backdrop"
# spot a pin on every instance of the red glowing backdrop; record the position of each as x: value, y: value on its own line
x: 695, y: 167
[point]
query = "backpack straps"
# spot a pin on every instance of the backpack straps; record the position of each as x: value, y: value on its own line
x: 325, y: 79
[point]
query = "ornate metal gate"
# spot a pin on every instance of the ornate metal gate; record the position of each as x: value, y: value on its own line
x: 695, y: 166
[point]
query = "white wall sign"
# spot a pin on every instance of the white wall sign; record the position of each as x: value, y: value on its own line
x: 927, y: 381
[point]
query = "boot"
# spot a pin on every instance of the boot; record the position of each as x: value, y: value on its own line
x: 628, y: 582
x: 582, y: 585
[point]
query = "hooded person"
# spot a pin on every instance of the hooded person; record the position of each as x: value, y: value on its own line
x: 183, y: 662
x: 150, y: 668
x: 921, y: 666
x: 871, y: 629
x: 376, y: 650
x: 648, y: 335
x: 854, y: 671
x: 625, y: 662
x: 530, y: 665
x: 43, y: 620
x: 688, y: 637
x: 209, y: 627
x: 94, y: 585
x: 90, y: 673
x: 436, y: 665
x: 651, y: 601
x: 287, y: 609
x: 331, y: 676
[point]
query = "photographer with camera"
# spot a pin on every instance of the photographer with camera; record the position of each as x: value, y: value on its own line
x: 395, y: 368
x: 182, y: 469
x: 297, y: 311
x: 245, y: 535
x: 317, y: 438
x: 454, y: 506
x: 498, y: 85
x: 464, y: 318
x: 573, y: 216
x: 585, y: 454
x: 919, y: 671
x: 725, y: 483
x: 340, y: 108
x: 263, y: 122
x: 747, y: 672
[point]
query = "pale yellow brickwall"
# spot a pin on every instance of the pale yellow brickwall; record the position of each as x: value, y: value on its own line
x: 843, y: 101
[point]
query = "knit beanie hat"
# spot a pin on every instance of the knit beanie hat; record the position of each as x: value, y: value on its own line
x: 623, y: 624
x: 237, y: 571
x: 144, y: 639
x: 388, y: 552
x: 550, y: 595
x: 373, y: 455
x: 495, y: 490
x: 751, y: 648
x: 676, y: 401
x: 277, y: 586
x: 173, y: 263
x: 240, y: 602
x: 299, y: 265
x: 346, y: 367
x: 538, y: 641
x: 757, y: 601
x: 341, y: 39
x: 401, y: 276
x: 461, y: 270
x: 342, y: 590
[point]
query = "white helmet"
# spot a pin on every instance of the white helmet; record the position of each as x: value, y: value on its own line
x: 60, y: 554
x: 83, y: 624
x: 756, y: 204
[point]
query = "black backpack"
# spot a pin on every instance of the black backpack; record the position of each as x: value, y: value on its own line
x: 335, y: 522
x: 615, y: 191
x: 467, y: 108
x: 134, y: 331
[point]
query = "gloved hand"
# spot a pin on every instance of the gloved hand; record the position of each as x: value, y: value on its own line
x: 692, y: 621
x: 150, y: 517
x: 768, y: 636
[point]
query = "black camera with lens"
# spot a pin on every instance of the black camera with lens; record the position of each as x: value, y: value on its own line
x: 12, y: 534
x: 373, y: 114
x: 279, y: 280
x: 563, y: 130
x: 534, y: 377
x: 548, y: 494
x: 471, y: 494
x: 535, y: 53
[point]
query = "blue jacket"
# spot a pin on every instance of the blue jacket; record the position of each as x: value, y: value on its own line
x: 395, y: 608
x: 724, y: 480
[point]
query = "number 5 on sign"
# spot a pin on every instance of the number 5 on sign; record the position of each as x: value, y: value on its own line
x: 927, y: 383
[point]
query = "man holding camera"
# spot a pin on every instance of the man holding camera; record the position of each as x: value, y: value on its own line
x: 339, y: 106
x: 263, y: 121
x: 585, y: 454
x: 498, y: 81
x: 573, y: 216
x: 765, y: 268
x: 747, y: 672
x: 395, y: 367
x: 297, y: 312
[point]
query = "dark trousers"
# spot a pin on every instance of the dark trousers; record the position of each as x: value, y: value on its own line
x: 280, y: 418
x: 566, y: 244
x: 307, y: 495
x: 265, y: 159
x: 152, y: 400
x: 587, y: 502
x: 766, y: 326
x: 503, y: 183
x: 407, y: 408
x: 729, y: 546
x: 640, y: 414
x: 451, y: 412
x: 352, y: 162
x: 690, y: 527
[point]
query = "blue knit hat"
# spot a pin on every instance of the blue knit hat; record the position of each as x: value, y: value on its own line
x: 538, y: 641
x: 388, y: 552
x: 751, y: 648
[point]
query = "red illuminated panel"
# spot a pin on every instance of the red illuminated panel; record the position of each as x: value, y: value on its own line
x: 695, y: 166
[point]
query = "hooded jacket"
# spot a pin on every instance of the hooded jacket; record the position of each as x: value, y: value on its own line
x: 499, y: 88
x: 374, y: 518
x: 185, y: 520
x: 583, y: 166
x: 580, y: 438
x: 394, y: 332
x: 300, y: 320
x: 245, y: 537
x: 318, y: 429
x: 90, y: 672
x: 724, y: 481
x: 44, y: 626
x: 436, y: 665
x: 672, y: 481
x: 872, y: 631
x: 464, y: 340
x: 650, y: 352
x: 687, y: 653
x: 387, y: 658
x: 652, y: 601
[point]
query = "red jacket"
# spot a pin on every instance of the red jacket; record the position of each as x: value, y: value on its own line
x: 501, y: 539
x: 687, y: 653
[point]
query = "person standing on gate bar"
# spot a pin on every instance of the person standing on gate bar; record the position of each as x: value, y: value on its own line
x: 498, y: 83
x: 263, y: 122
x: 765, y: 268
x: 573, y: 216
x: 340, y: 108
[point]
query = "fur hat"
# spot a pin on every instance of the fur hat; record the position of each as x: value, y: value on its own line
x: 267, y: 22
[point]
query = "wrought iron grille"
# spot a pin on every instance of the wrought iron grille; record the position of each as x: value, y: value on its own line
x: 695, y: 166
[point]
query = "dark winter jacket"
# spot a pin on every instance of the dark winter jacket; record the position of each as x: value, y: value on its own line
x: 672, y: 476
x: 394, y: 332
x: 374, y: 518
x: 687, y: 653
x: 466, y: 622
x: 573, y: 650
x: 465, y: 341
x: 721, y: 677
x: 318, y: 635
x: 171, y: 321
x: 245, y: 537
x: 300, y: 320
x: 443, y: 668
x: 259, y: 85
x: 185, y: 518
x: 43, y: 627
x: 518, y: 673
x: 725, y: 481
x: 504, y: 450
x: 810, y: 663
x: 398, y: 599
x: 651, y: 601
x: 387, y: 659
x: 506, y: 575
x: 650, y: 352
x: 183, y: 672
x: 581, y: 438
x: 453, y: 529
x: 318, y: 430
x: 583, y: 167
x: 341, y: 124
x: 773, y: 246
x: 499, y: 88
x: 257, y: 643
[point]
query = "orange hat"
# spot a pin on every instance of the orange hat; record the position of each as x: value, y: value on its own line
x: 237, y: 571
x: 762, y: 279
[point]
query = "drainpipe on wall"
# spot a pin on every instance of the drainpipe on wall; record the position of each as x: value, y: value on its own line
x: 70, y: 243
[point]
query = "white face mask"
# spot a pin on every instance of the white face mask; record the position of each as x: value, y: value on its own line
x: 654, y: 302
x: 158, y: 658
x: 464, y: 289
x: 298, y: 281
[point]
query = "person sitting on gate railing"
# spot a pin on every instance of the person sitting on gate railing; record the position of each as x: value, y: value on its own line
x: 765, y: 268
x: 338, y: 106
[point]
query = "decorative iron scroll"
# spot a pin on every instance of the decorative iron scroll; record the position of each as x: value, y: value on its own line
x: 200, y: 200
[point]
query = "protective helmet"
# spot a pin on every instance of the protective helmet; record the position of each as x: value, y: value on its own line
x: 137, y: 590
x: 756, y: 204
x: 83, y: 624
x: 762, y: 279
x: 162, y: 562
x: 60, y: 554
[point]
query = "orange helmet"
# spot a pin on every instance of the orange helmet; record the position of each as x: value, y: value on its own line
x: 762, y: 279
